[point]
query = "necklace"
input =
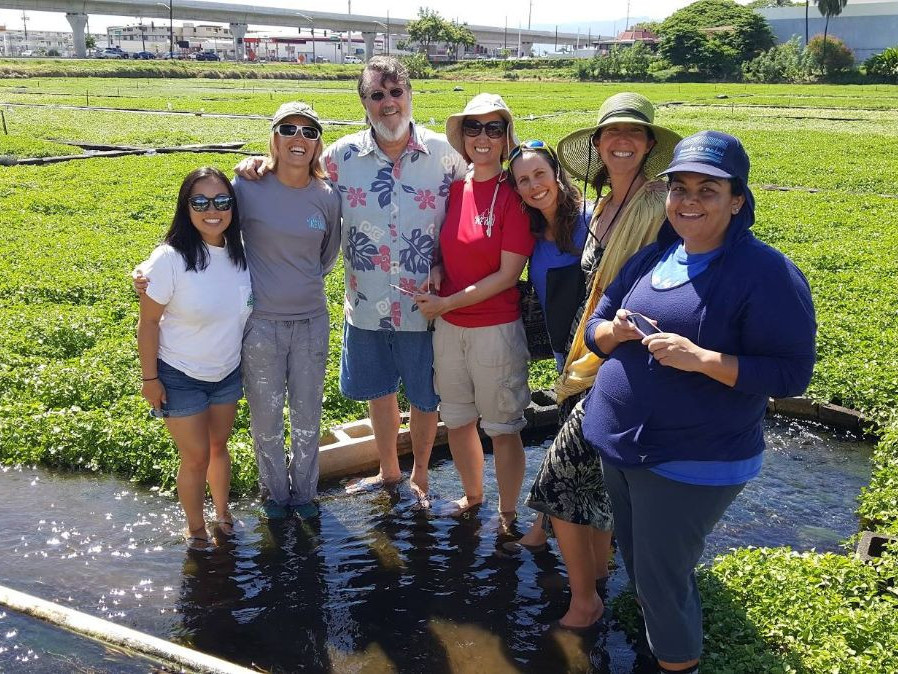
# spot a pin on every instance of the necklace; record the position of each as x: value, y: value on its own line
x: 487, y: 218
x: 601, y: 241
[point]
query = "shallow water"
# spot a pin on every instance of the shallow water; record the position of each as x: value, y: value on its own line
x: 376, y: 586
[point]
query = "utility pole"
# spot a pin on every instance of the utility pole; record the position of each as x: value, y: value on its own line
x: 505, y: 37
x: 556, y: 37
x: 627, y: 25
x: 529, y: 14
x: 25, y: 21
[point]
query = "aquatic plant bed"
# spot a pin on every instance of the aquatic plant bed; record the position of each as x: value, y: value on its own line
x: 375, y: 574
x: 70, y: 233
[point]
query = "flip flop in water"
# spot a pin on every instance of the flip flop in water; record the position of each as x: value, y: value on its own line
x: 198, y: 539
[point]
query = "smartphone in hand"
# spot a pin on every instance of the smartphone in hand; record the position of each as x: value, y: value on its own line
x: 642, y: 324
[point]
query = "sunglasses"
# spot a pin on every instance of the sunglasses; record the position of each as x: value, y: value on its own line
x: 290, y: 130
x: 221, y: 202
x: 378, y: 96
x: 535, y: 145
x: 494, y: 129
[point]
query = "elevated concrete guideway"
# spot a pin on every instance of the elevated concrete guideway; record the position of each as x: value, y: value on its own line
x: 240, y: 16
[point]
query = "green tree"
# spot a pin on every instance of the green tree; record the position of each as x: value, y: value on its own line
x: 782, y: 63
x: 90, y: 41
x: 427, y: 29
x: 884, y: 65
x: 751, y: 35
x: 635, y: 61
x: 829, y: 9
x: 457, y: 35
x: 705, y: 14
x: 830, y: 57
x: 648, y: 25
x: 683, y: 46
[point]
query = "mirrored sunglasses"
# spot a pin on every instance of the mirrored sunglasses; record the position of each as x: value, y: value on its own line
x: 290, y: 130
x: 221, y: 202
x: 537, y: 145
x: 495, y: 129
x: 378, y: 95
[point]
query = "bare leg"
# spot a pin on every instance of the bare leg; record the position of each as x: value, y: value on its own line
x: 191, y: 436
x: 575, y: 544
x: 467, y: 454
x: 218, y: 474
x: 384, y: 415
x: 423, y: 430
x: 508, y: 453
x: 600, y: 542
x: 536, y: 535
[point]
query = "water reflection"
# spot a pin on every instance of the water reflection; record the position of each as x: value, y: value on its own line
x: 376, y: 585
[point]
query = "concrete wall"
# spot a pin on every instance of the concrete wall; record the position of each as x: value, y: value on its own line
x: 866, y: 27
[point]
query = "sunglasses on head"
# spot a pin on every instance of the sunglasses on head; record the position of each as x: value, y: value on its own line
x: 221, y: 202
x: 378, y: 95
x: 494, y: 129
x: 290, y: 130
x: 535, y: 145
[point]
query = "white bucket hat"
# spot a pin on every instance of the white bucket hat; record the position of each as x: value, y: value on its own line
x: 481, y: 104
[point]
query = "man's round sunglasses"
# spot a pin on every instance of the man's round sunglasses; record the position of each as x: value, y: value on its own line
x: 378, y: 95
x: 221, y: 202
x: 290, y: 130
x: 494, y: 129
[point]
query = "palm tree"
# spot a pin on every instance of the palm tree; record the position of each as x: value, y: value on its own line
x: 829, y: 8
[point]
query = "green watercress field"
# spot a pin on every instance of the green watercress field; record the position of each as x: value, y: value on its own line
x: 71, y: 233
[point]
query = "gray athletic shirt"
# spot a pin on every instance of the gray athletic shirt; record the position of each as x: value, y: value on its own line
x: 292, y: 239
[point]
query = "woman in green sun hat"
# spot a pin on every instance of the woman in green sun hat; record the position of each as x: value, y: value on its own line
x: 623, y: 152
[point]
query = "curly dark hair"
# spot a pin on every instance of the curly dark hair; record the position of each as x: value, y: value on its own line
x: 567, y: 210
x: 184, y: 237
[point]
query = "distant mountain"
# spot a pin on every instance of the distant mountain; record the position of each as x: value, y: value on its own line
x: 608, y: 28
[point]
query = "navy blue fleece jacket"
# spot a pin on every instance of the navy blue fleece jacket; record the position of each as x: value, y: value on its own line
x: 753, y: 303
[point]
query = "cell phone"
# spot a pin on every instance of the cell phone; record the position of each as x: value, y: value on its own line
x: 642, y: 324
x: 158, y: 414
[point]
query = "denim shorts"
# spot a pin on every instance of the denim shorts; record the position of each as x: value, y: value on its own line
x: 186, y: 396
x: 374, y: 361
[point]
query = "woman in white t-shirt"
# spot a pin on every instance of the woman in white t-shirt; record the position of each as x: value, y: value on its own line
x: 189, y: 337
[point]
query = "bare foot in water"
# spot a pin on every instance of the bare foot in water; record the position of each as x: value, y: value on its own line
x: 461, y: 506
x: 581, y: 616
x: 421, y: 495
x: 361, y: 485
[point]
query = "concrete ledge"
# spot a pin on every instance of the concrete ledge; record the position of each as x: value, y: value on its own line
x: 172, y: 655
x: 873, y: 544
x: 349, y: 449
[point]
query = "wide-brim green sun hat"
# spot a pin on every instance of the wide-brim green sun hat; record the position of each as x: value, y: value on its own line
x: 580, y: 157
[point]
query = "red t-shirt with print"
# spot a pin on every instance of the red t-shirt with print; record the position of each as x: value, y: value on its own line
x: 471, y: 251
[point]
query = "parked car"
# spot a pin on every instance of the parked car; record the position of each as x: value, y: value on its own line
x: 204, y: 56
x: 351, y: 59
x: 111, y: 53
x: 176, y: 55
x: 145, y: 55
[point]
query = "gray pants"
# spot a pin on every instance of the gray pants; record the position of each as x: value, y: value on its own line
x: 660, y: 526
x: 275, y: 354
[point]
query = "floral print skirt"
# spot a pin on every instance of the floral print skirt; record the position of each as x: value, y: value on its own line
x: 570, y: 484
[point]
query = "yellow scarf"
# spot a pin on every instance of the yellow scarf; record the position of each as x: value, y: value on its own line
x: 639, y: 223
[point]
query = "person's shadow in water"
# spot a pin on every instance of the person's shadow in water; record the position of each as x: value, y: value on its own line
x: 256, y: 599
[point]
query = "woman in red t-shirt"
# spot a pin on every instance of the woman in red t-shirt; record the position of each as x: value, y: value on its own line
x: 480, y: 351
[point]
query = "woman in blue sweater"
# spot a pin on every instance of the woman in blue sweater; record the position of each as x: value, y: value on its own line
x: 677, y: 414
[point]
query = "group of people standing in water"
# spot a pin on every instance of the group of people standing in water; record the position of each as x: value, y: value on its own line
x: 670, y: 323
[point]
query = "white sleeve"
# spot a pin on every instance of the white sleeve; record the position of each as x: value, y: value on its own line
x: 160, y: 269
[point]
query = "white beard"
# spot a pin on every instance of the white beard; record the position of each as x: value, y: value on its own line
x: 384, y: 132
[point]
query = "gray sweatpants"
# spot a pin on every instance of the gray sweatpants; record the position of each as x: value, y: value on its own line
x: 289, y: 356
x: 661, y: 526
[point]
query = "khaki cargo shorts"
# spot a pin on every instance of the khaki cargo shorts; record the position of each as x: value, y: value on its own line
x: 482, y: 372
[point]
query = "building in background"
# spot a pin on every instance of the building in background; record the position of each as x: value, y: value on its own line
x: 867, y: 27
x: 38, y: 42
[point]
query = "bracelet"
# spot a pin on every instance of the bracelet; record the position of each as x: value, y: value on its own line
x: 150, y: 378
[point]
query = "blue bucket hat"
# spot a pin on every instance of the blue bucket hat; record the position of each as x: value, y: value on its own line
x: 711, y: 153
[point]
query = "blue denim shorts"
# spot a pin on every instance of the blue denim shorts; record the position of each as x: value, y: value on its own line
x: 373, y: 362
x: 186, y: 396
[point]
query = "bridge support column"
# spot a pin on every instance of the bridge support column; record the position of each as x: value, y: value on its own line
x: 369, y: 44
x: 238, y: 31
x: 78, y: 21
